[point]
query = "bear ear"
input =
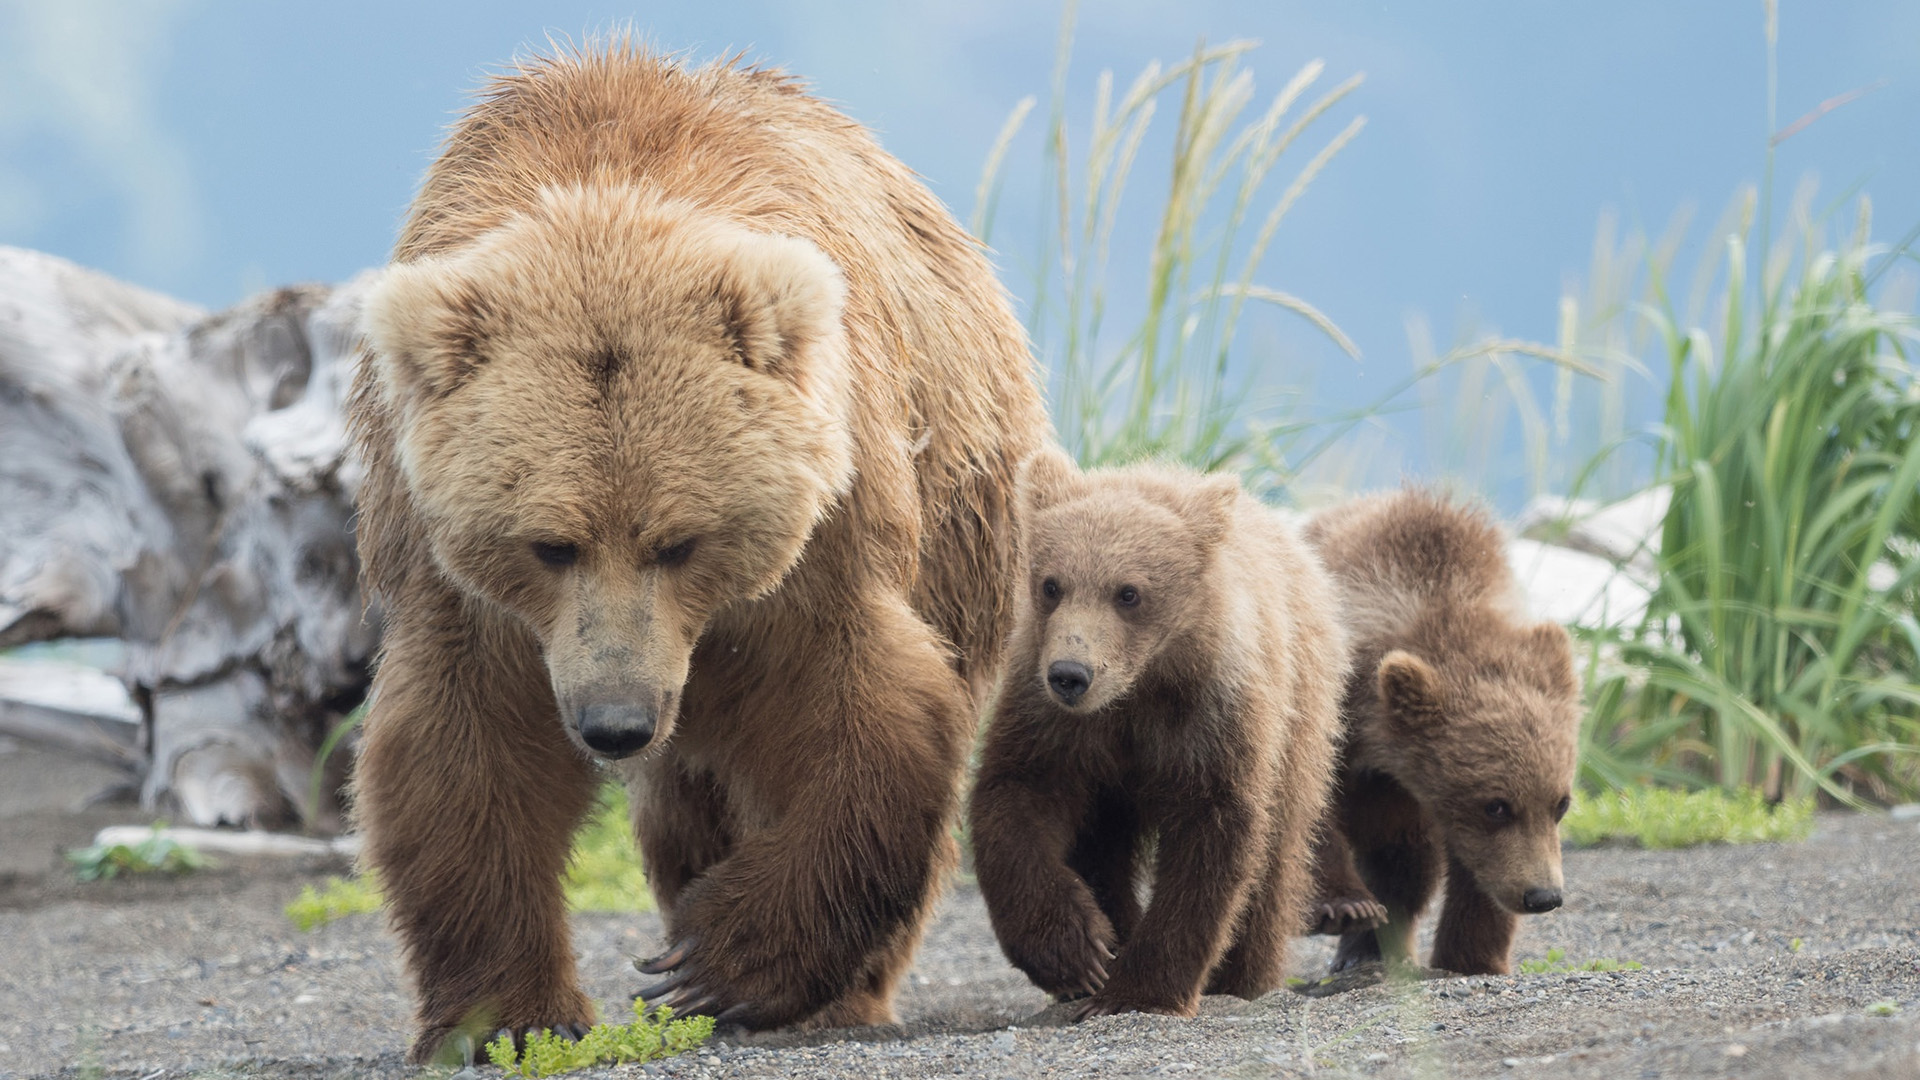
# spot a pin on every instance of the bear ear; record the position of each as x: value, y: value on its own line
x: 782, y: 300
x: 1208, y: 507
x: 428, y: 325
x: 1047, y: 478
x: 1410, y: 688
x: 1549, y: 651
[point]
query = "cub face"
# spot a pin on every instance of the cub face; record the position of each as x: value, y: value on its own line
x: 1116, y: 568
x: 615, y: 418
x: 1496, y: 752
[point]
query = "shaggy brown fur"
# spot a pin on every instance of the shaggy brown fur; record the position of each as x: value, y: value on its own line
x: 689, y: 420
x: 1462, y: 720
x: 1177, y: 672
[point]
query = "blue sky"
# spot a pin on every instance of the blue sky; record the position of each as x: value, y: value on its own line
x: 211, y: 148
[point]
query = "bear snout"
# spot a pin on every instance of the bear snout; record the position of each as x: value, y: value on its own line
x: 1537, y: 901
x: 1069, y: 679
x: 615, y: 729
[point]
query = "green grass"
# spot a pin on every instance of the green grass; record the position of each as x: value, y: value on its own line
x: 1557, y: 962
x: 157, y: 854
x: 1174, y: 384
x: 643, y: 1039
x: 1668, y: 818
x: 1781, y: 645
x: 336, y: 899
x: 603, y: 875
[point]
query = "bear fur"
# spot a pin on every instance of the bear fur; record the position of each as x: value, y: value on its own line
x: 1462, y: 720
x: 690, y: 422
x: 1176, y: 674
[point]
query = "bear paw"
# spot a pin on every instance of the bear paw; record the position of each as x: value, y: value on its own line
x: 1348, y: 914
x: 1105, y: 1005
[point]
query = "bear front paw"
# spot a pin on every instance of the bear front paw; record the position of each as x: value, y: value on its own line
x: 1344, y: 915
x: 1069, y: 962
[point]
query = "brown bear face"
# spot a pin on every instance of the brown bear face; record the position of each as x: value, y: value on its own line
x: 1117, y: 568
x: 1489, y: 747
x: 617, y: 417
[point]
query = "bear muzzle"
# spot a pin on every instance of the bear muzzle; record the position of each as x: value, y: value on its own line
x: 616, y: 729
x: 1536, y: 901
x: 1069, y: 680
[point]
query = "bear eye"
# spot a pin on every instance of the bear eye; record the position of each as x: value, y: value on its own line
x: 556, y: 554
x: 1050, y: 589
x: 1128, y: 596
x: 1560, y: 808
x: 675, y: 554
x: 1499, y: 811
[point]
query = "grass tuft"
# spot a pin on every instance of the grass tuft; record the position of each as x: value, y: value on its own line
x: 1667, y: 818
x: 336, y: 899
x: 157, y: 854
x: 644, y: 1039
x: 1557, y: 963
x: 603, y: 875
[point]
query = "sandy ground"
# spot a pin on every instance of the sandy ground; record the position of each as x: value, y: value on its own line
x: 1762, y: 961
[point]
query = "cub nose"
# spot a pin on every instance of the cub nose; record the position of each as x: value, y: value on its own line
x: 1539, y: 900
x: 1069, y: 679
x: 615, y: 730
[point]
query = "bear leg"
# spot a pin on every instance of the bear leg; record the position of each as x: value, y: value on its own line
x: 1106, y: 855
x: 1475, y: 935
x: 467, y: 792
x: 1257, y: 961
x: 1202, y: 880
x: 1024, y: 818
x: 679, y: 823
x: 1342, y: 903
x: 845, y: 853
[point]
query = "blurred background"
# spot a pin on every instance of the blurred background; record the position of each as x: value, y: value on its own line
x: 211, y: 149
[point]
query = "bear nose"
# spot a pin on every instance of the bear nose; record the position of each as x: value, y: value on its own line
x: 1069, y: 679
x: 615, y: 730
x: 1539, y: 900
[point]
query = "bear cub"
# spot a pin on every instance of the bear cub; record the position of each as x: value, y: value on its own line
x: 1462, y: 718
x: 1174, y: 674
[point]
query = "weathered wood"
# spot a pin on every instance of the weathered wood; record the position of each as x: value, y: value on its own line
x: 180, y: 481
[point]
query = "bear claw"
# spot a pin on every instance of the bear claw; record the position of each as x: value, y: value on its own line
x: 1345, y: 916
x: 670, y: 959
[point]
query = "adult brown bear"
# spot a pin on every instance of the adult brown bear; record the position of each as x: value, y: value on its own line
x: 690, y: 422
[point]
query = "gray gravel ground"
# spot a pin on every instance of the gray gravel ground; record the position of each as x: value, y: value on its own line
x: 1761, y: 961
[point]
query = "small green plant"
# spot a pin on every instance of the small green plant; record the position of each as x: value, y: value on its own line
x: 157, y: 854
x: 1884, y: 1008
x: 1556, y: 962
x: 337, y: 898
x: 644, y: 1039
x: 1796, y: 945
x: 1667, y: 818
x: 603, y: 875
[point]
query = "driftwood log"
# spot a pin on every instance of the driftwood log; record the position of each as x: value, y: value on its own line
x: 179, y: 481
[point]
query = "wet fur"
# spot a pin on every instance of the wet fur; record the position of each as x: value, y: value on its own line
x: 1215, y: 735
x: 637, y: 301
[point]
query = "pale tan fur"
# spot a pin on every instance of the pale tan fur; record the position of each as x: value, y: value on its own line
x: 683, y: 402
x: 1216, y: 663
x: 1458, y: 702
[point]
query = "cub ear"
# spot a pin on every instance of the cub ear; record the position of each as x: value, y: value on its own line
x: 1549, y: 651
x: 1409, y: 687
x: 428, y: 324
x: 1046, y: 479
x: 1208, y: 507
x: 782, y: 300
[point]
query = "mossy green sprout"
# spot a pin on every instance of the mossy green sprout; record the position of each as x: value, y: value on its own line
x: 157, y: 854
x: 646, y: 1038
x: 338, y: 898
x: 1669, y: 818
x: 603, y: 875
x: 1556, y: 962
x: 1884, y: 1008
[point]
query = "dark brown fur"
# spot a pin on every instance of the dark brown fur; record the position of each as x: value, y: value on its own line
x: 1208, y: 723
x: 1458, y: 705
x: 635, y: 304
